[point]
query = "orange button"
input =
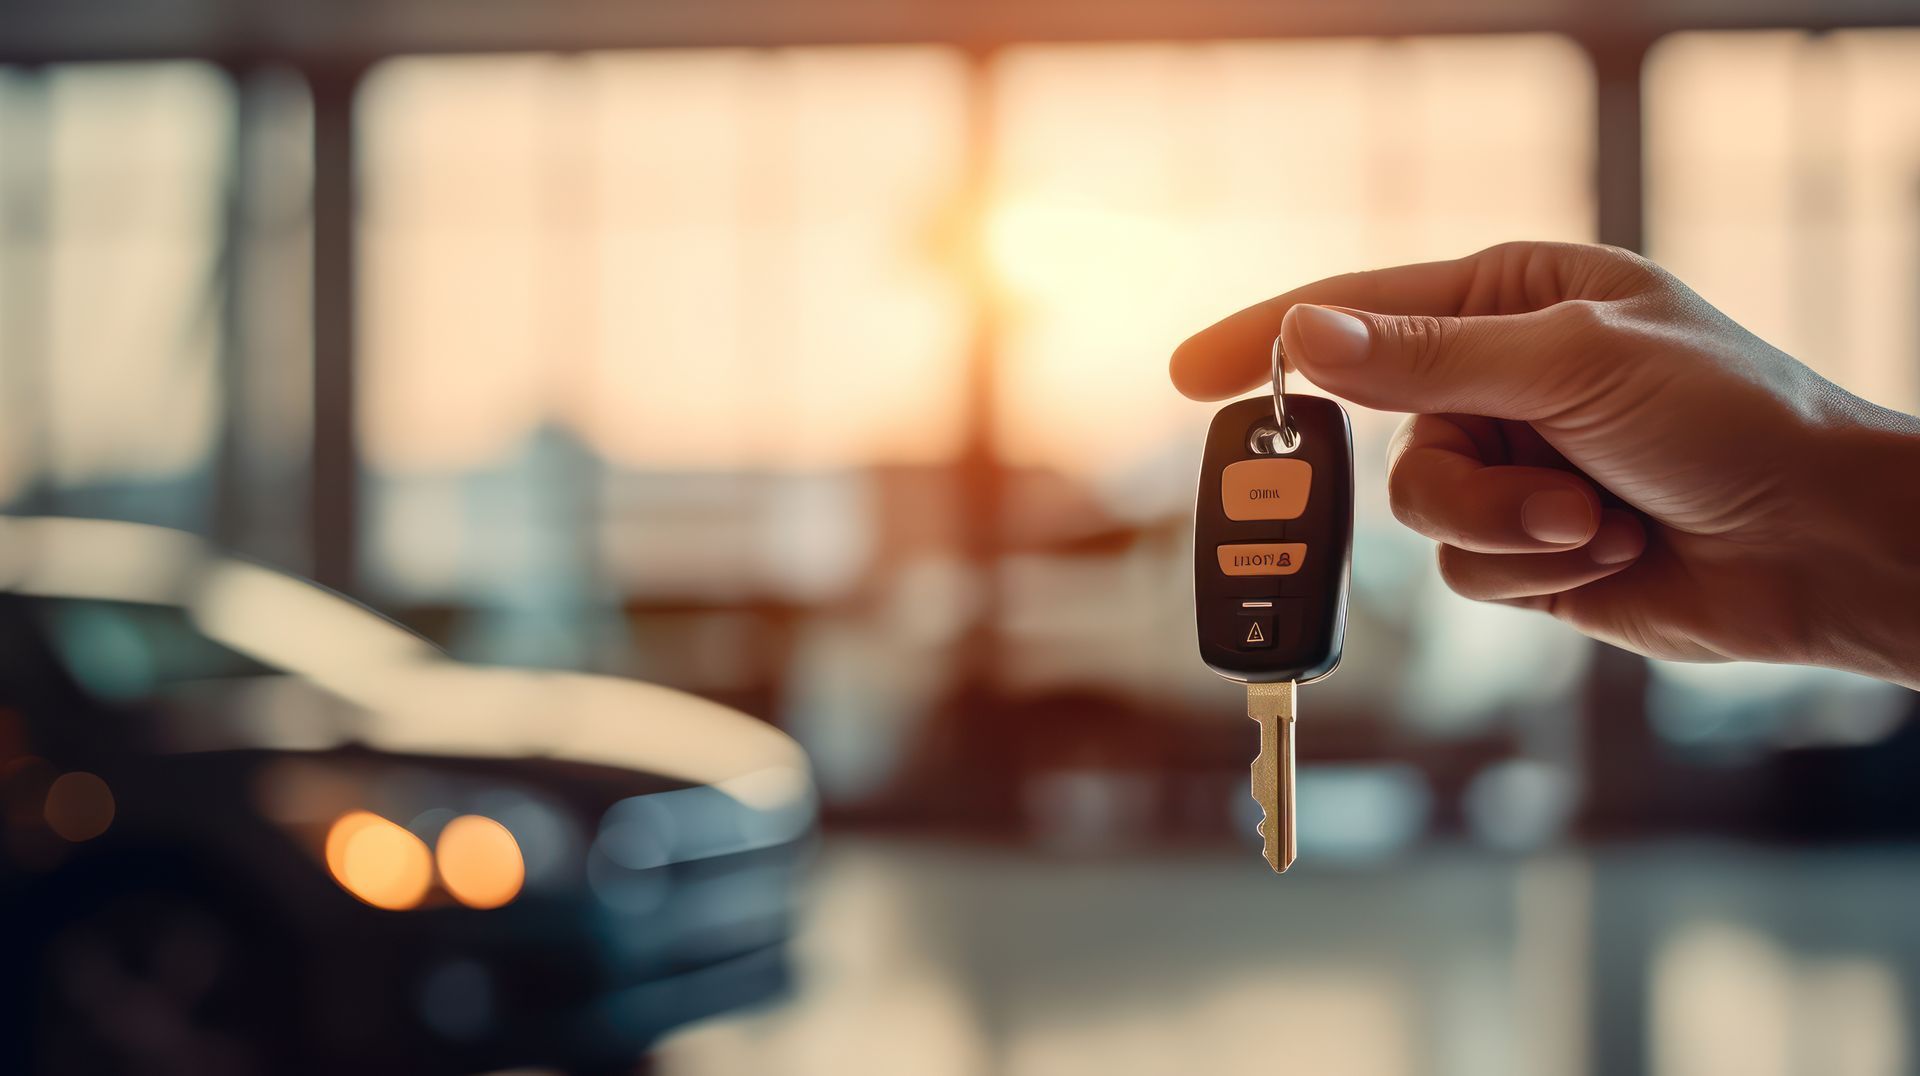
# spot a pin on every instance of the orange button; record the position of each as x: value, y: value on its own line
x: 1265, y: 489
x: 1262, y: 558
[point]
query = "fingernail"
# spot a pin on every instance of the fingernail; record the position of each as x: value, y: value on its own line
x: 1325, y: 337
x: 1558, y: 516
x: 1616, y: 542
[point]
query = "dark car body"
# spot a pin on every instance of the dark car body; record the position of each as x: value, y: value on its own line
x: 238, y: 729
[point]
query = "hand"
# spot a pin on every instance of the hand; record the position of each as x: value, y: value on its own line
x: 1591, y: 439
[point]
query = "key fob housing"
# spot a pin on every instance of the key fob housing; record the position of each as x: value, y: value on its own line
x: 1272, y: 538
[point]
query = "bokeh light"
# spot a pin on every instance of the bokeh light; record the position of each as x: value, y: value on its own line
x: 79, y: 806
x: 480, y: 862
x: 379, y: 861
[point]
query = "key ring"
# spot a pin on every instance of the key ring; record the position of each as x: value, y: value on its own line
x: 1286, y: 434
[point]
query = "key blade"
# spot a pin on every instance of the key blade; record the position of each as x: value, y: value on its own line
x: 1273, y: 790
x: 1272, y: 706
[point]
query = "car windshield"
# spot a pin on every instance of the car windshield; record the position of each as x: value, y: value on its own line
x: 133, y: 610
x: 137, y: 610
x: 125, y: 650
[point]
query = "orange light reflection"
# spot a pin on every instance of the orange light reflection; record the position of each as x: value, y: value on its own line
x: 379, y: 861
x: 480, y: 862
x: 79, y: 806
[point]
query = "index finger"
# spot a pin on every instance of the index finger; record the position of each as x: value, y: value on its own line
x: 1232, y: 355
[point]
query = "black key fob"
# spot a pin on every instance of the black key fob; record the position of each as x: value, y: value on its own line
x: 1272, y: 540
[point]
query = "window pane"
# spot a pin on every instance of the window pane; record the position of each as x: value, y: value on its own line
x: 454, y: 224
x: 126, y: 165
x: 770, y: 291
x: 1781, y: 184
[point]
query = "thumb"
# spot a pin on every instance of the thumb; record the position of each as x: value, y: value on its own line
x: 1517, y: 366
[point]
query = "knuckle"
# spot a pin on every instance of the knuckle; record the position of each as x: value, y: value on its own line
x: 1592, y: 335
x: 1513, y: 255
x: 1400, y: 444
x: 1424, y: 340
x: 1617, y: 271
x: 1403, y: 498
x: 1597, y: 345
x: 1510, y: 251
x: 1426, y: 497
x: 1581, y: 317
x: 1456, y: 573
x: 1629, y: 262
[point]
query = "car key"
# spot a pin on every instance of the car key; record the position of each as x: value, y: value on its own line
x: 1272, y: 535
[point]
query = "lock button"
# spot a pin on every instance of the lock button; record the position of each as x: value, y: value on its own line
x: 1262, y: 558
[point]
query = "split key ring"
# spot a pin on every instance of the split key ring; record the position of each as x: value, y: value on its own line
x: 1285, y: 435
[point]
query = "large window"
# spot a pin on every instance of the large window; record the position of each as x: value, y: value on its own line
x: 711, y: 326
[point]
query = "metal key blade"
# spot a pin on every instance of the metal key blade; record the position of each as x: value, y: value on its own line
x: 1272, y: 706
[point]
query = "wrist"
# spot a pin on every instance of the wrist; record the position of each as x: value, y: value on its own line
x: 1867, y: 618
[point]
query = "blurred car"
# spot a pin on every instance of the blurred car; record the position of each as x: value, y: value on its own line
x: 250, y: 826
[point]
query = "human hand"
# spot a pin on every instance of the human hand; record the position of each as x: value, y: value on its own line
x: 1591, y: 439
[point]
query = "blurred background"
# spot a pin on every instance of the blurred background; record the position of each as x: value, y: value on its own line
x: 810, y: 357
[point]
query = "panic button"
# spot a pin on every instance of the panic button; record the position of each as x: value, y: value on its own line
x: 1265, y: 489
x: 1262, y: 558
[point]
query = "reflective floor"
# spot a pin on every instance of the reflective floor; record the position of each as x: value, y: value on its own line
x: 1699, y: 959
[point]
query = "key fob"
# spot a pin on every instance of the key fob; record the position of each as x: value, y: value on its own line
x: 1272, y: 537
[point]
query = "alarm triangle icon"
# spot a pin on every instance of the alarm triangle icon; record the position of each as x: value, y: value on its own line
x: 1254, y: 635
